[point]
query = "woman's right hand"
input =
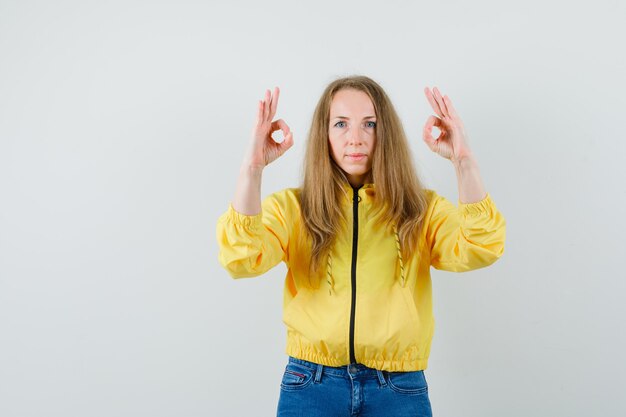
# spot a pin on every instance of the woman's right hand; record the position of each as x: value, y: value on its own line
x: 263, y: 149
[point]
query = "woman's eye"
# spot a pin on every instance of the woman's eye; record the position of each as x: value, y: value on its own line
x: 368, y: 124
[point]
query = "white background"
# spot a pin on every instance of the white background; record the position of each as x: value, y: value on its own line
x: 122, y: 128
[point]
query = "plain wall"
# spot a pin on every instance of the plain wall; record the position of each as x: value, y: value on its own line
x: 122, y: 128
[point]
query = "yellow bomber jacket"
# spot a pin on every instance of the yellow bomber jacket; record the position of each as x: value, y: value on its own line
x: 372, y: 307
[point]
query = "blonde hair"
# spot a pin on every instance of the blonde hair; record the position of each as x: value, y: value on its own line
x: 399, y: 192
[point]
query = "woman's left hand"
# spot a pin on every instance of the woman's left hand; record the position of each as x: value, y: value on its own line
x: 452, y: 142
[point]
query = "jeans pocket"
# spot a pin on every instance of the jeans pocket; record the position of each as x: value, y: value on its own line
x: 296, y: 377
x: 411, y: 382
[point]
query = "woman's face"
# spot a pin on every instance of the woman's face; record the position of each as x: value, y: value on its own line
x: 352, y: 133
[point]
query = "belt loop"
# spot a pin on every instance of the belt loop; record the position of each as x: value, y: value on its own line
x: 318, y: 373
x: 381, y: 378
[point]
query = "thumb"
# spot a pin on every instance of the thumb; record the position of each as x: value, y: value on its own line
x: 427, y: 132
x: 287, y: 142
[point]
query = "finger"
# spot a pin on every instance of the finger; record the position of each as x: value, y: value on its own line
x: 450, y: 107
x: 442, y: 104
x: 434, y: 121
x: 287, y: 143
x: 427, y: 131
x: 259, y: 112
x: 266, y: 109
x: 280, y: 125
x: 433, y: 102
x: 274, y: 102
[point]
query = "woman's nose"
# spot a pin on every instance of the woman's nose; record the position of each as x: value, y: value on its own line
x: 355, y: 136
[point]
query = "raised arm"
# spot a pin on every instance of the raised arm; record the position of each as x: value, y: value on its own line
x: 261, y: 151
x: 472, y: 235
x: 253, y: 235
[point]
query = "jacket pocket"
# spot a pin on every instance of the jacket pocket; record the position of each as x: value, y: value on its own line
x: 317, y: 323
x: 388, y: 325
x: 410, y: 304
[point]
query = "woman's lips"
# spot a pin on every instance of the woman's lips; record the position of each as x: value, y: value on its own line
x: 356, y: 156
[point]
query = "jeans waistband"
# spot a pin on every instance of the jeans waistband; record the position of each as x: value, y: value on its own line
x: 352, y: 371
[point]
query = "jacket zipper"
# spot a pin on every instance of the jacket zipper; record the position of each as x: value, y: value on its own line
x: 355, y: 237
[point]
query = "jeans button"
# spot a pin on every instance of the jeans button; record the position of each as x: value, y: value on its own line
x: 352, y: 369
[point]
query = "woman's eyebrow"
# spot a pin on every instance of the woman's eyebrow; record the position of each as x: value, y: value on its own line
x: 344, y: 117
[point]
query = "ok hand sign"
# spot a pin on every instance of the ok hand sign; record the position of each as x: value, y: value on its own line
x: 263, y: 148
x: 452, y: 142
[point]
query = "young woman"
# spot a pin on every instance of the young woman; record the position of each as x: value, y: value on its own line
x: 358, y: 239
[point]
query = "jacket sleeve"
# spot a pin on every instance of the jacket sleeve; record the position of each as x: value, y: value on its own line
x: 465, y: 238
x: 250, y: 245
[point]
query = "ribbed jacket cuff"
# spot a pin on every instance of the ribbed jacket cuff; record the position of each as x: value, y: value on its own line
x: 249, y: 221
x: 483, y: 206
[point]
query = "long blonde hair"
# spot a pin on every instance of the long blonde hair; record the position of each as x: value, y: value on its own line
x: 398, y: 189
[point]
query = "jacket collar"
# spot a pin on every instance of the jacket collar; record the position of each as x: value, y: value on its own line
x: 348, y: 187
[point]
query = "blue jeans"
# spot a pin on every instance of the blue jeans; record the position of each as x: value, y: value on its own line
x: 309, y: 389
